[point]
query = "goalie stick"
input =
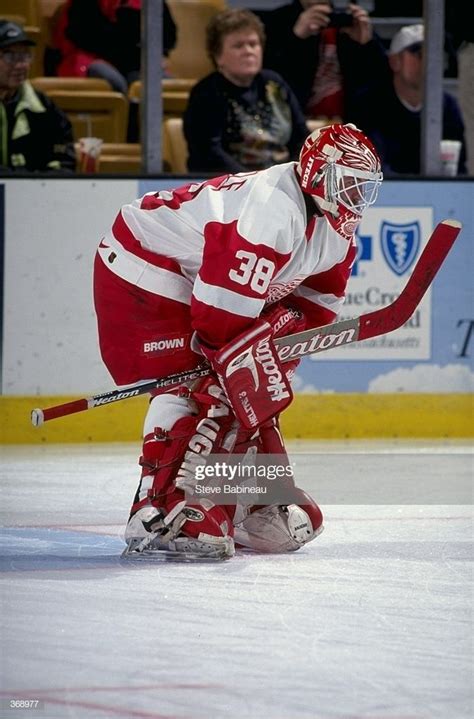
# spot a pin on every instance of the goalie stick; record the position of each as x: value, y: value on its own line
x: 317, y: 339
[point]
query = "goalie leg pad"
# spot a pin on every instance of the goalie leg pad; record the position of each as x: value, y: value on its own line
x: 159, y: 514
x: 278, y: 528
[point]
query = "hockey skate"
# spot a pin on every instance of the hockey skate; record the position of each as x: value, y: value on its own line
x: 152, y: 536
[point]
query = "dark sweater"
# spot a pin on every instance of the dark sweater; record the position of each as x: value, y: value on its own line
x: 233, y: 129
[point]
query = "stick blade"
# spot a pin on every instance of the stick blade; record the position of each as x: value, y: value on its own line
x: 393, y: 316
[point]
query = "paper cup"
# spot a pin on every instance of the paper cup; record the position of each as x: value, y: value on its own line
x: 89, y: 154
x: 450, y: 151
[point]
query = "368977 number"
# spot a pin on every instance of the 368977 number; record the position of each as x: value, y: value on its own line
x: 21, y: 704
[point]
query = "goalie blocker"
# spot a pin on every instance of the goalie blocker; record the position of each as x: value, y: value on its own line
x: 252, y: 376
x: 254, y: 380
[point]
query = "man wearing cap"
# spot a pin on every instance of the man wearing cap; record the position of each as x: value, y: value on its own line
x: 35, y: 135
x: 391, y: 113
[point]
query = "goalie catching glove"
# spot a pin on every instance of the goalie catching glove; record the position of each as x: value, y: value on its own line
x: 250, y: 371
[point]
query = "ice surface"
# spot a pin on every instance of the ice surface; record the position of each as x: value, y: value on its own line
x: 372, y: 620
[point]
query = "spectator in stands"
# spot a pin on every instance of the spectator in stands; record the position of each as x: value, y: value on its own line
x: 325, y: 57
x: 241, y: 117
x: 101, y: 38
x: 390, y: 114
x: 36, y: 136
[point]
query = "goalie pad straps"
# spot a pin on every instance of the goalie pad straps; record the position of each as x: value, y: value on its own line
x: 252, y: 375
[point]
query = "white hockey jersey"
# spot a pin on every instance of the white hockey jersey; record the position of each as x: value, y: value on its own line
x: 231, y: 245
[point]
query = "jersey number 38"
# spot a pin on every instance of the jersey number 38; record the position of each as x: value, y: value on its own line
x: 254, y: 271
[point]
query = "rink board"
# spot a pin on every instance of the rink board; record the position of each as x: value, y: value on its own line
x: 337, y: 416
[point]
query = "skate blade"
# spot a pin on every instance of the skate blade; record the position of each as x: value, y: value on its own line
x: 148, y: 549
x: 167, y: 555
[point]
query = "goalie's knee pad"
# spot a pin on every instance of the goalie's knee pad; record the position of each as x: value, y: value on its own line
x: 279, y: 528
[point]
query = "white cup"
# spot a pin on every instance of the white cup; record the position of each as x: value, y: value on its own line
x: 89, y: 154
x: 450, y: 151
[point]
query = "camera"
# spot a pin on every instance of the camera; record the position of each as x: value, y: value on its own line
x: 340, y: 19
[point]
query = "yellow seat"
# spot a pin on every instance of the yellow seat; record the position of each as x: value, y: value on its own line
x: 174, y: 103
x: 120, y: 164
x: 177, y: 84
x: 189, y: 58
x: 175, y: 95
x: 18, y: 19
x: 94, y: 113
x: 50, y: 84
x: 49, y: 7
x: 132, y: 149
x: 135, y: 91
x: 175, y: 148
x: 28, y: 9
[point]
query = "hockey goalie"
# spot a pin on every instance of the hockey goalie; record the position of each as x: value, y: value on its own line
x: 217, y: 270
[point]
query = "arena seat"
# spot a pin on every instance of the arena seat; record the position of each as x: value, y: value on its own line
x: 175, y: 145
x: 132, y: 149
x: 189, y: 58
x: 27, y: 9
x: 49, y: 7
x: 83, y: 84
x: 175, y: 95
x: 94, y: 113
x: 18, y: 19
x: 120, y: 164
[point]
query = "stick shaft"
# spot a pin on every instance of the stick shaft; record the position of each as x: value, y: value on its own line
x: 317, y: 339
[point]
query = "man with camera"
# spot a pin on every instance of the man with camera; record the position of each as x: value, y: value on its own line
x: 326, y: 51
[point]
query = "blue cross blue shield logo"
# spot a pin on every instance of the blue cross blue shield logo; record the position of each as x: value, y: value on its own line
x: 400, y: 245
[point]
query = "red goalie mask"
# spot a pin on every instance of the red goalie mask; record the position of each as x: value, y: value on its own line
x: 340, y: 168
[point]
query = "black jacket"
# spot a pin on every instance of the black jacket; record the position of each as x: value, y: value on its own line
x: 35, y: 135
x: 297, y: 60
